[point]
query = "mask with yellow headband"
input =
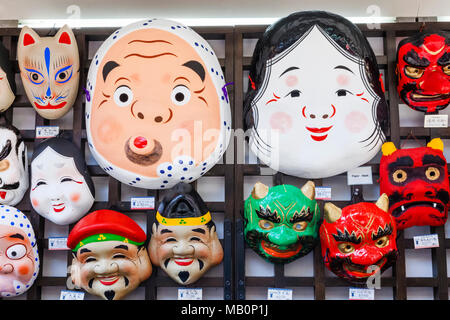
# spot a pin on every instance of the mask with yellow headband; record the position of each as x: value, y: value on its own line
x: 184, y: 242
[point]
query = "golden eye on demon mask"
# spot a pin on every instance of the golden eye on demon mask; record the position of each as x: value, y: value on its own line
x: 49, y: 69
x: 7, y: 82
x: 423, y: 71
x: 315, y: 103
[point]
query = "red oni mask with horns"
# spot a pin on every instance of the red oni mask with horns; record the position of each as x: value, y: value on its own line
x: 423, y: 70
x: 416, y: 181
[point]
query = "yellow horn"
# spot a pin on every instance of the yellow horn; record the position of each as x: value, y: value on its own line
x: 437, y: 144
x: 383, y: 202
x: 309, y: 190
x: 331, y: 212
x: 388, y: 148
x: 260, y: 190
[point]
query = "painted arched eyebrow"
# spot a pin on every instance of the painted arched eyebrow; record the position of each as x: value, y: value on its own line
x: 107, y: 68
x: 196, y: 67
x: 288, y: 69
x: 17, y: 236
x: 344, y: 68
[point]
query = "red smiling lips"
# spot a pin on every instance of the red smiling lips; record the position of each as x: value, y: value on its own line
x: 50, y: 106
x: 319, y: 131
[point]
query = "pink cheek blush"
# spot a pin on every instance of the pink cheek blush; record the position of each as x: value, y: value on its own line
x: 74, y: 197
x: 281, y: 121
x: 355, y: 121
x: 342, y: 80
x: 35, y: 202
x: 291, y: 81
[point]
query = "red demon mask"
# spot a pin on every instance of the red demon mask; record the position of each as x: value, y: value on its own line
x: 416, y: 181
x: 423, y: 70
x: 357, y: 237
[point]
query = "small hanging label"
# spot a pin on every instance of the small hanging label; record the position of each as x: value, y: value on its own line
x: 142, y: 203
x: 361, y: 294
x: 71, y: 295
x: 426, y: 241
x: 44, y: 132
x: 57, y: 243
x: 279, y: 294
x: 323, y: 193
x: 360, y: 175
x: 190, y: 294
x: 435, y: 121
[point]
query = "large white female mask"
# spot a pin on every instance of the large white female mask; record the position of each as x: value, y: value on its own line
x: 157, y: 110
x: 315, y: 105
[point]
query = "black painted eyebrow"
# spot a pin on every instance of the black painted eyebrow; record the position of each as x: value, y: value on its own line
x: 107, y: 68
x: 121, y: 246
x: 431, y: 159
x: 196, y: 67
x: 289, y: 69
x: 343, y: 68
x: 84, y: 250
x: 401, y: 162
x: 6, y: 150
x: 166, y: 231
x: 268, y: 215
x: 444, y: 60
x: 17, y: 236
x: 347, y: 237
x: 304, y: 215
x: 412, y: 58
x: 381, y: 232
x: 199, y: 230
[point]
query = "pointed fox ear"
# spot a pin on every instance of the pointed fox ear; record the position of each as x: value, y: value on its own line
x: 28, y: 37
x: 65, y: 35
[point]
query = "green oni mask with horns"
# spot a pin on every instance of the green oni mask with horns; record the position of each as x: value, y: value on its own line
x: 282, y: 222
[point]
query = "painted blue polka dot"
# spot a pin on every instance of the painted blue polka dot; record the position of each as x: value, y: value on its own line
x: 12, y: 223
x: 35, y: 259
x: 182, y: 178
x: 96, y: 62
x: 202, y: 46
x: 165, y: 181
x: 212, y: 69
x: 3, y: 217
x: 204, y: 163
x: 204, y: 168
x: 184, y: 169
x: 163, y: 186
x: 169, y: 175
x: 190, y: 178
x: 7, y: 210
x: 181, y: 161
x: 222, y: 97
x: 16, y: 216
x: 114, y: 37
x: 191, y: 162
x: 21, y: 224
x: 28, y: 225
x: 145, y: 24
x: 161, y: 171
x: 224, y: 123
x: 138, y: 179
x: 173, y: 28
x: 178, y: 27
x: 196, y: 44
x: 169, y: 168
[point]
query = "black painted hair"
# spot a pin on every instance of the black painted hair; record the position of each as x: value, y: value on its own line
x: 419, y: 38
x: 286, y: 31
x: 6, y: 66
x: 183, y: 201
x: 68, y: 149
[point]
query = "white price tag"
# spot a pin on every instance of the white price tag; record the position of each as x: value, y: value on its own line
x: 142, y: 203
x: 190, y: 294
x: 426, y: 241
x: 360, y: 175
x: 71, y: 295
x: 323, y: 193
x: 43, y: 132
x: 435, y: 121
x: 57, y: 243
x: 279, y: 294
x: 361, y: 294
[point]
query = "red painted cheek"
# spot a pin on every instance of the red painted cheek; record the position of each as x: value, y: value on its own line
x: 23, y: 270
x: 35, y: 202
x: 355, y: 121
x: 281, y: 121
x: 343, y: 80
x: 291, y: 81
x: 74, y: 197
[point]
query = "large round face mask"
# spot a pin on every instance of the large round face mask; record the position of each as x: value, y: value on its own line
x: 110, y: 257
x: 282, y: 222
x: 416, y: 181
x: 315, y: 105
x: 423, y: 71
x: 184, y: 240
x: 50, y: 70
x: 19, y: 259
x: 13, y: 166
x: 62, y: 190
x: 358, y: 241
x: 7, y: 82
x: 157, y: 111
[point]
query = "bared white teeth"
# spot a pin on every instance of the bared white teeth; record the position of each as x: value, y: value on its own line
x: 434, y: 204
x: 403, y: 208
